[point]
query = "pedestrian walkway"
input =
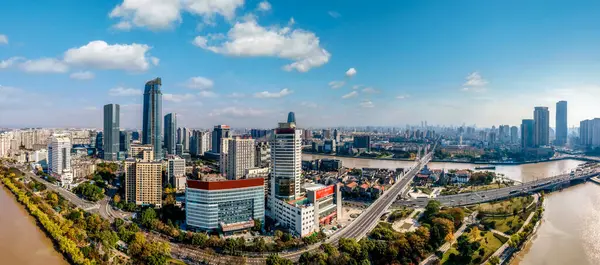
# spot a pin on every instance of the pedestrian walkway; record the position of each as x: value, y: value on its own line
x: 446, y: 246
x: 504, y: 247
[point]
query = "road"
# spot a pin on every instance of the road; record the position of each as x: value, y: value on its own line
x: 501, y: 193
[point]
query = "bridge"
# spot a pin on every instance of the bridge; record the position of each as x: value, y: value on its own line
x: 470, y: 198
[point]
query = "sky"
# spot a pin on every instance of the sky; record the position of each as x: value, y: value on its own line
x: 334, y: 63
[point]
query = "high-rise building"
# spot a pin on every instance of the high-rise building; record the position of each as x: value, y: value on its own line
x: 514, y: 134
x: 143, y: 182
x: 336, y: 136
x: 111, y: 132
x: 258, y: 133
x: 143, y: 152
x: 59, y: 158
x: 263, y: 155
x: 100, y: 144
x: 238, y: 157
x: 219, y: 132
x: 286, y: 161
x: 152, y: 119
x: 326, y: 134
x: 124, y: 144
x: 170, y: 133
x: 561, y: 123
x: 504, y: 133
x: 584, y: 135
x: 291, y: 117
x: 541, y: 117
x: 362, y: 141
x: 176, y: 172
x: 199, y: 142
x: 527, y: 133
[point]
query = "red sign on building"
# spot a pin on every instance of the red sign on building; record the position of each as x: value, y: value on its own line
x: 324, y: 192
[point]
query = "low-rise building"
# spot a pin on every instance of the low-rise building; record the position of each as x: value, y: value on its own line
x: 225, y: 206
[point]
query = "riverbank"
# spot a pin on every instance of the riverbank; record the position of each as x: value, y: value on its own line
x: 68, y: 248
x: 449, y: 160
x: 22, y: 240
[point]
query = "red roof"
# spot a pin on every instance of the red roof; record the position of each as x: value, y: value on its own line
x: 352, y: 185
x: 364, y: 186
x: 463, y: 172
x: 226, y: 184
x: 422, y: 176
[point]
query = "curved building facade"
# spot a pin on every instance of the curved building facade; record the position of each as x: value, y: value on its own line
x: 152, y: 120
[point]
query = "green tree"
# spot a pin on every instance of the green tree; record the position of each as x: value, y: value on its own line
x: 274, y: 259
x: 147, y: 217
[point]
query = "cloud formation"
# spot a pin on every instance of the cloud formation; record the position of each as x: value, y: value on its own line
x: 44, y: 65
x: 124, y: 92
x: 266, y: 94
x: 367, y: 104
x: 351, y: 72
x: 199, y: 82
x: 264, y: 6
x: 83, y: 75
x: 334, y: 14
x: 249, y: 39
x: 99, y: 54
x: 3, y: 39
x: 336, y: 84
x: 178, y: 97
x: 350, y: 95
x: 474, y: 83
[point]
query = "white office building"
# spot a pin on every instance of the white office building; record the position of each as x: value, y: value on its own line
x: 237, y: 156
x: 176, y: 172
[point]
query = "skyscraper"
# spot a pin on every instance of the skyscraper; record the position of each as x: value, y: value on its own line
x: 514, y: 134
x: 170, y: 133
x: 152, y: 119
x: 199, y: 142
x: 59, y: 158
x: 219, y: 132
x: 124, y: 144
x: 238, y: 157
x: 541, y: 117
x: 286, y: 161
x: 561, y: 123
x: 527, y: 133
x: 111, y: 131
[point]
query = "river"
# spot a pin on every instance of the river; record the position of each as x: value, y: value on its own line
x: 523, y: 173
x: 21, y: 241
x: 570, y: 230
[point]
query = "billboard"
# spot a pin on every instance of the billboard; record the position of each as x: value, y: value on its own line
x: 324, y: 192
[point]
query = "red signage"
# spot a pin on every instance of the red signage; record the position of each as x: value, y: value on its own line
x: 324, y: 192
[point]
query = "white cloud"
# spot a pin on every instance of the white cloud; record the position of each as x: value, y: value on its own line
x: 350, y: 95
x: 207, y: 94
x: 355, y: 87
x: 249, y: 39
x: 10, y: 62
x: 370, y: 90
x: 236, y: 95
x: 334, y: 14
x: 165, y: 14
x: 474, y: 83
x: 3, y: 39
x: 238, y: 112
x: 336, y: 84
x: 264, y: 6
x: 177, y: 97
x: 266, y: 94
x: 402, y: 96
x: 44, y: 65
x: 123, y: 25
x: 351, y: 72
x: 199, y: 82
x: 84, y: 75
x: 367, y: 104
x: 91, y: 108
x: 99, y: 54
x: 121, y: 91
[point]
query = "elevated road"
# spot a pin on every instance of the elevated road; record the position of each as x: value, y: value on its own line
x: 503, y: 193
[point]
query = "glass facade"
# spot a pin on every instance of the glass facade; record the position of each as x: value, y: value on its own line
x: 152, y: 120
x: 207, y: 209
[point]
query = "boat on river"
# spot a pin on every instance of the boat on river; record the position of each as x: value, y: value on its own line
x: 485, y: 167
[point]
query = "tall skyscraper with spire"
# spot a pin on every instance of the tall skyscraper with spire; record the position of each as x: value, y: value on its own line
x: 561, y: 123
x: 152, y: 120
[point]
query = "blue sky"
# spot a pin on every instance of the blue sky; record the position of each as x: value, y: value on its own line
x: 247, y: 63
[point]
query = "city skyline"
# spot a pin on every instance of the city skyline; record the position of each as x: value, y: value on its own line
x: 436, y: 71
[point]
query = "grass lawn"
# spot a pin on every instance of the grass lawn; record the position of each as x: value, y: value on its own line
x: 506, y: 206
x: 508, y: 225
x: 489, y: 244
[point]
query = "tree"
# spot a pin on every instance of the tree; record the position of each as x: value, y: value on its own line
x: 259, y: 244
x: 257, y: 225
x: 274, y: 259
x: 432, y: 208
x: 117, y: 199
x: 494, y: 260
x: 147, y: 217
x: 199, y: 239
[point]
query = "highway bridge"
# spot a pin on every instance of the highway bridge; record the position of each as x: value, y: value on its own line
x: 470, y: 198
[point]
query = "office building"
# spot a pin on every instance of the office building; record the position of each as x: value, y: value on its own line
x: 286, y: 161
x: 541, y: 118
x: 258, y: 133
x: 336, y: 136
x: 59, y: 158
x: 362, y: 141
x: 170, y: 133
x: 527, y: 133
x: 329, y: 146
x: 584, y: 136
x: 561, y: 123
x: 326, y: 134
x: 100, y: 144
x: 514, y: 134
x: 263, y: 155
x: 291, y: 117
x: 111, y: 132
x: 504, y: 133
x: 152, y: 117
x: 225, y: 206
x: 183, y: 138
x: 124, y: 144
x: 176, y: 172
x: 199, y: 142
x: 219, y: 132
x: 237, y: 157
